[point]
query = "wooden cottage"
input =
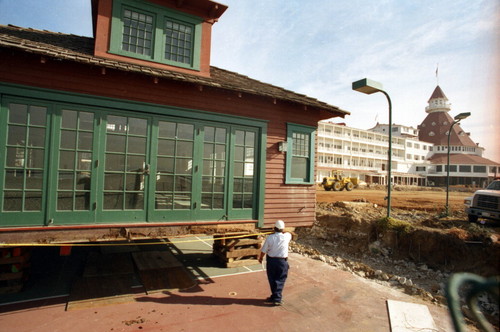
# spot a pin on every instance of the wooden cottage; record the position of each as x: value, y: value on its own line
x: 133, y: 134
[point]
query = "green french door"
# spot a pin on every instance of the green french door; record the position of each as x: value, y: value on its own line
x: 173, y: 169
x: 72, y: 189
x: 214, y: 173
x: 190, y: 175
x: 24, y: 137
x: 71, y: 164
x: 124, y: 163
x: 100, y: 168
x: 203, y: 172
x: 242, y: 174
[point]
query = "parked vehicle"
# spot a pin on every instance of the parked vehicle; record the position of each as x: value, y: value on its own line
x: 484, y: 203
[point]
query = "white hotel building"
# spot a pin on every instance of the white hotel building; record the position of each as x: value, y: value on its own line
x: 419, y: 156
x: 363, y: 153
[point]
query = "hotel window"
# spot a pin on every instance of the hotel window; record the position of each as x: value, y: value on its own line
x: 465, y: 168
x: 479, y: 169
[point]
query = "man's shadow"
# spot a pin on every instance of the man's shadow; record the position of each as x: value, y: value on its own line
x: 172, y: 298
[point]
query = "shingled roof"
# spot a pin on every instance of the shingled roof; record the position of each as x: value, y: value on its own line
x: 80, y: 49
x: 434, y: 129
x: 462, y: 159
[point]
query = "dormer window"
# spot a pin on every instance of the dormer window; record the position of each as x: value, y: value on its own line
x: 156, y: 34
x: 179, y: 42
x: 137, y: 35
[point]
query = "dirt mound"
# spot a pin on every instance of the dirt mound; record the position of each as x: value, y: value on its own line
x: 449, y: 244
x: 414, y: 250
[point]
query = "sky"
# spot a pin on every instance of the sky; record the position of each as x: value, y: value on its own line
x: 319, y: 47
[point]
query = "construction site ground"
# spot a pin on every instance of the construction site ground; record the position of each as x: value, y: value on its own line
x: 418, y: 250
x: 424, y: 199
x: 317, y: 297
x: 344, y: 269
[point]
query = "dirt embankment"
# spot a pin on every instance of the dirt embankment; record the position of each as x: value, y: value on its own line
x: 448, y: 244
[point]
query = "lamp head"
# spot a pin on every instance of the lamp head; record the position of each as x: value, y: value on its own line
x: 367, y: 86
x: 462, y: 116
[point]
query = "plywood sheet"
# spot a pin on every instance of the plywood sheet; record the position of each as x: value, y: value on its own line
x: 410, y: 317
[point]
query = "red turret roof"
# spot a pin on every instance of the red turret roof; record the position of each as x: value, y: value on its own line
x: 438, y: 93
x: 435, y: 127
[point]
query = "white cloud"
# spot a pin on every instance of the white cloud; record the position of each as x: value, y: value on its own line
x: 320, y: 49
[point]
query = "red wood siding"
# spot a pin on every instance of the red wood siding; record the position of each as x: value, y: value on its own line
x: 295, y: 204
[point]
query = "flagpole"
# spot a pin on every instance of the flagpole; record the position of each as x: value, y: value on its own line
x: 437, y: 73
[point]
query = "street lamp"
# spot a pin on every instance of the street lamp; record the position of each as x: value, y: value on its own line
x: 457, y: 119
x: 368, y: 86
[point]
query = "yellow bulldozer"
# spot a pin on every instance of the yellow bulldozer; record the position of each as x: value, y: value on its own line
x: 337, y: 182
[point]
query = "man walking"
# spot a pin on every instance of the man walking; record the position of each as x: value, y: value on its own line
x: 276, y: 248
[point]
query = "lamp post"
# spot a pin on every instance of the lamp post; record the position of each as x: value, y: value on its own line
x: 368, y: 86
x: 456, y: 119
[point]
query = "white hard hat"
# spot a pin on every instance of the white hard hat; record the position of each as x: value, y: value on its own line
x: 280, y: 224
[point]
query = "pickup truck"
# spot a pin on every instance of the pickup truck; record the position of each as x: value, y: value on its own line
x: 484, y: 203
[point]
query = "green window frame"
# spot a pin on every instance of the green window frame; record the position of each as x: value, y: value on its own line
x: 149, y: 32
x: 69, y: 157
x: 137, y: 34
x: 24, y: 159
x: 300, y: 154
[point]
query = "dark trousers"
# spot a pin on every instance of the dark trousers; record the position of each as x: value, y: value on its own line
x: 277, y: 272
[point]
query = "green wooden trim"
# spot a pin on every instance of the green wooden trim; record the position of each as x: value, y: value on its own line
x: 261, y: 169
x: 159, y: 14
x: 3, y: 143
x: 298, y: 128
x: 125, y: 105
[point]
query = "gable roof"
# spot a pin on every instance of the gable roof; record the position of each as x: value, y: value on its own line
x: 80, y: 49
